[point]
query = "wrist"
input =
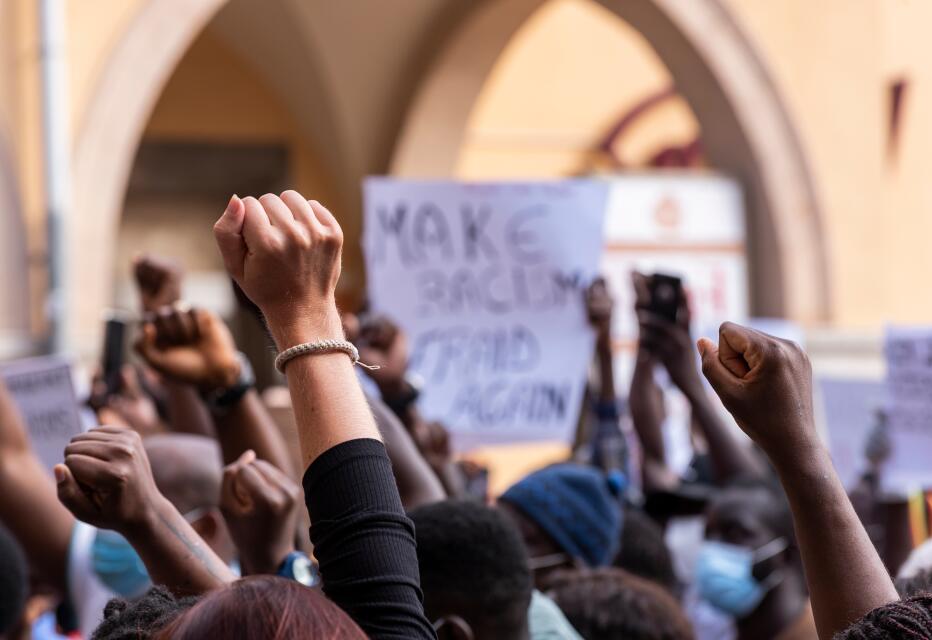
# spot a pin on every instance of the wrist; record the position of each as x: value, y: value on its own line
x: 691, y: 386
x: 144, y: 524
x: 266, y: 561
x: 801, y: 459
x: 307, y: 325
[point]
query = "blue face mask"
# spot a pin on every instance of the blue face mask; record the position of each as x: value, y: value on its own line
x: 117, y: 564
x: 724, y: 575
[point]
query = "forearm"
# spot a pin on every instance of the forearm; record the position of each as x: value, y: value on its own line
x: 417, y: 482
x: 174, y: 554
x: 645, y: 415
x: 606, y: 366
x: 328, y: 402
x: 730, y: 457
x: 846, y: 577
x: 186, y: 410
x: 248, y: 425
x: 40, y: 523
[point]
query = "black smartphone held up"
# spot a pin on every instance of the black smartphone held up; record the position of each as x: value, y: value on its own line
x: 666, y: 296
x: 114, y: 349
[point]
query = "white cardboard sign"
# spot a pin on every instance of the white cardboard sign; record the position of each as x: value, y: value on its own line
x: 487, y: 280
x: 43, y: 392
x: 849, y: 410
x: 908, y: 352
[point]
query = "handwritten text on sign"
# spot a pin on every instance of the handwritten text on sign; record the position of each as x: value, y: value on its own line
x: 487, y: 281
x: 43, y: 393
x: 908, y: 353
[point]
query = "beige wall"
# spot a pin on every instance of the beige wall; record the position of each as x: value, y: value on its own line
x: 539, y: 115
x: 334, y: 81
x: 567, y: 76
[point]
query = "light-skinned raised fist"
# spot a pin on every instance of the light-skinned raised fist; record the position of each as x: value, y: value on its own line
x: 284, y: 253
x: 766, y: 384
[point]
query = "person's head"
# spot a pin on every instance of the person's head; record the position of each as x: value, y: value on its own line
x: 474, y: 571
x: 263, y: 608
x: 609, y: 603
x: 140, y: 618
x: 644, y: 552
x: 567, y: 516
x: 188, y: 471
x: 909, y: 618
x: 14, y: 581
x: 749, y: 548
x: 915, y: 583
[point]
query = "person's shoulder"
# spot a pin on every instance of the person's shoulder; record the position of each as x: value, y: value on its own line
x: 547, y: 622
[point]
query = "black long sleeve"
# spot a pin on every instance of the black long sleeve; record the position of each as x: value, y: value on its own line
x: 364, y: 542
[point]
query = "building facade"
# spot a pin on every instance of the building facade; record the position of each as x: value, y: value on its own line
x: 816, y: 108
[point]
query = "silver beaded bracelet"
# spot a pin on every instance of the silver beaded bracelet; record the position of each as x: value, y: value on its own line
x: 315, y: 348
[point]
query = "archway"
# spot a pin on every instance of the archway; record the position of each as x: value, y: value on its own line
x: 14, y: 303
x: 130, y: 84
x: 746, y: 129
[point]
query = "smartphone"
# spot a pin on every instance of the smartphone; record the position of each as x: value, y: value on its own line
x: 666, y: 296
x: 114, y: 349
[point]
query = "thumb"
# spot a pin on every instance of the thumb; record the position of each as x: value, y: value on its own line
x: 714, y: 371
x: 147, y: 348
x: 71, y: 495
x: 228, y: 232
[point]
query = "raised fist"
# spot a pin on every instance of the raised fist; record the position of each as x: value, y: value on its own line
x: 766, y: 384
x: 158, y: 280
x: 284, y: 253
x: 106, y: 480
x: 599, y: 306
x: 192, y: 346
x: 259, y: 503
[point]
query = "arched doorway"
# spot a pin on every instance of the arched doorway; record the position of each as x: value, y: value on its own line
x: 14, y: 302
x: 746, y: 130
x: 136, y: 73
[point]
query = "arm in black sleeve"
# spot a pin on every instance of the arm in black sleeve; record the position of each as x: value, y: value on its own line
x: 364, y: 542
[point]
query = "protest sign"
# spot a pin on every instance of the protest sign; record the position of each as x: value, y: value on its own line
x: 43, y: 393
x: 850, y: 414
x: 908, y: 353
x: 487, y: 281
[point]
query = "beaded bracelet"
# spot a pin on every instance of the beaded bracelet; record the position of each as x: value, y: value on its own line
x: 315, y: 348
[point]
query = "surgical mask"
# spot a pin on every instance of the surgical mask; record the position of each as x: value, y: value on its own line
x: 118, y: 566
x: 724, y: 575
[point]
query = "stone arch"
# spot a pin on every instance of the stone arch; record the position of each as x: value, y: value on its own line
x: 747, y: 131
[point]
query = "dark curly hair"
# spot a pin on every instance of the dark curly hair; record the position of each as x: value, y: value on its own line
x: 609, y: 603
x: 142, y: 618
x: 644, y: 552
x: 474, y: 565
x: 909, y: 619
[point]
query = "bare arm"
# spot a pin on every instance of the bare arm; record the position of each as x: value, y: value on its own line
x: 766, y: 384
x: 417, y: 483
x: 107, y: 482
x: 194, y: 348
x: 248, y: 425
x: 284, y: 252
x: 159, y: 281
x: 30, y: 508
x: 672, y: 345
x: 186, y: 410
x: 645, y: 401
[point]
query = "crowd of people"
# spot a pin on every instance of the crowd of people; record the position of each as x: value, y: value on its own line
x: 192, y: 512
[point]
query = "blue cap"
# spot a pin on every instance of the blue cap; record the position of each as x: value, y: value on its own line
x: 575, y: 506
